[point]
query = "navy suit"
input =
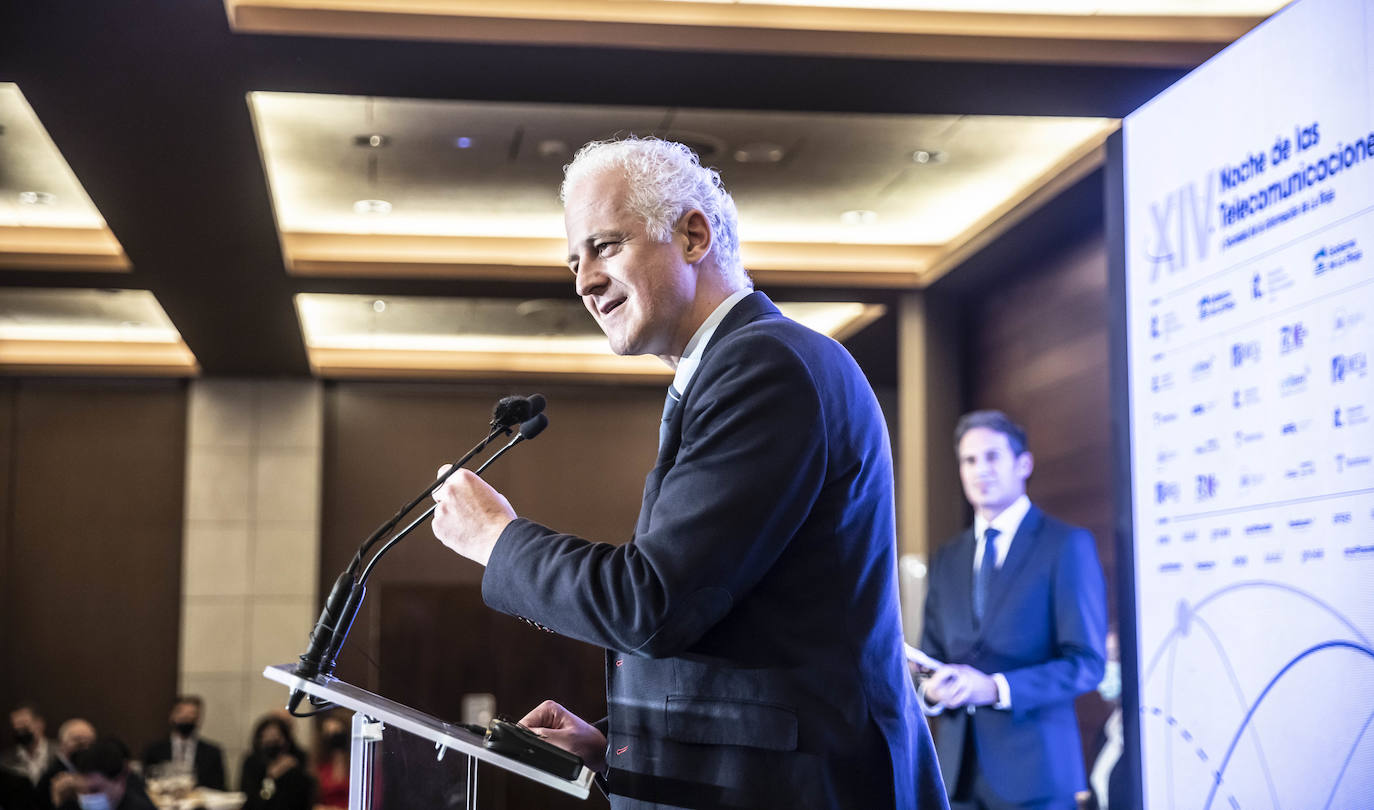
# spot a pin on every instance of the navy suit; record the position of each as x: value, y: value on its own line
x: 754, y: 648
x: 1044, y: 629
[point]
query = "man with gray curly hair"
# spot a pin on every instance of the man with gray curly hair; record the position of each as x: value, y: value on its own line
x: 754, y: 643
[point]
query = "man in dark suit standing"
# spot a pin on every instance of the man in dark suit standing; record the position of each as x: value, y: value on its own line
x: 754, y: 649
x: 1016, y: 611
x: 186, y: 746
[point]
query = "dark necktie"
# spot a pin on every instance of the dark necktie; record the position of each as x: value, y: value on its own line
x: 986, y: 569
x: 670, y: 403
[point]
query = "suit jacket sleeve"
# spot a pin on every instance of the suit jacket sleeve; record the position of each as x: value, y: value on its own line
x: 749, y: 467
x: 1080, y: 617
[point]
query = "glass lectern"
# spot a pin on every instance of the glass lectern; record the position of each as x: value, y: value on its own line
x: 403, y: 758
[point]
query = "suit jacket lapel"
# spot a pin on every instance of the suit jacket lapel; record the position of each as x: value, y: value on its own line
x: 963, y: 585
x: 750, y: 308
x: 1022, y: 546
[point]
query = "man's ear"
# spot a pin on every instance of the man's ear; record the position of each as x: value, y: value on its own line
x: 1025, y: 464
x: 697, y: 230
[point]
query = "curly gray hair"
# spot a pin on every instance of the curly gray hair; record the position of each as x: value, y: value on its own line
x: 666, y: 180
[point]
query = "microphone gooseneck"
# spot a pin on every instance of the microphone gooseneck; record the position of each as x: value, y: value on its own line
x: 346, y: 597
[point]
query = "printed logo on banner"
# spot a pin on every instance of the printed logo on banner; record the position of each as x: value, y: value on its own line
x: 1211, y: 445
x: 1244, y: 397
x: 1244, y: 437
x: 1302, y: 469
x: 1245, y: 352
x: 1166, y: 492
x: 1344, y: 322
x: 1206, y: 487
x: 1334, y: 257
x: 1295, y: 383
x: 1162, y: 382
x: 1164, y: 418
x: 1348, y: 367
x: 1250, y: 480
x: 1349, y: 416
x: 1346, y: 462
x: 1214, y: 304
x: 1202, y: 369
x: 1292, y: 337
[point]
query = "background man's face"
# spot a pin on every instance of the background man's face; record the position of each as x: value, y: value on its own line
x: 76, y: 735
x: 993, y: 476
x: 186, y: 713
x: 639, y: 291
x: 25, y: 720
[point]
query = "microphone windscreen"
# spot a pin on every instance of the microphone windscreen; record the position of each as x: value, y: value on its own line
x: 511, y: 410
x: 534, y: 426
x: 537, y: 403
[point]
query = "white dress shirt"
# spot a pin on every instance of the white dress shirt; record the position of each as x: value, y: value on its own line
x: 1007, y: 523
x: 691, y: 356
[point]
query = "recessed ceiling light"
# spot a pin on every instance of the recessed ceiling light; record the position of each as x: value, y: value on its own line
x: 761, y: 152
x: 373, y: 141
x: 552, y: 148
x: 463, y: 142
x: 859, y: 216
x: 379, y: 305
x: 927, y: 156
x: 372, y: 207
x: 36, y: 198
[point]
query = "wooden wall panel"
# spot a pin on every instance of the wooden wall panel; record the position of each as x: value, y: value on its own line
x: 93, y: 587
x: 383, y: 443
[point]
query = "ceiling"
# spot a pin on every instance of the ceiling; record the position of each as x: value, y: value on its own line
x: 217, y: 170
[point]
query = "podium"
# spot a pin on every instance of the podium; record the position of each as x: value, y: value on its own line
x: 404, y: 758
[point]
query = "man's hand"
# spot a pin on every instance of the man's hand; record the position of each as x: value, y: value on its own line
x: 65, y: 786
x: 470, y: 515
x: 958, y: 685
x: 569, y: 732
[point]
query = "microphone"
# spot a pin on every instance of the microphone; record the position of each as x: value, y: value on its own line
x: 346, y: 597
x: 513, y: 410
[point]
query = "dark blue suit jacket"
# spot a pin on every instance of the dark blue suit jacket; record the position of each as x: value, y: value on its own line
x: 1044, y: 628
x: 752, y: 627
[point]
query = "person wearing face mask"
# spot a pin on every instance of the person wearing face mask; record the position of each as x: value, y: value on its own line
x: 105, y: 782
x: 33, y: 753
x: 331, y: 762
x: 274, y: 776
x: 61, y: 782
x: 1017, y: 612
x: 185, y: 745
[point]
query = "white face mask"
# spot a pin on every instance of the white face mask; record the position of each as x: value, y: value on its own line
x: 94, y: 801
x: 1110, y: 687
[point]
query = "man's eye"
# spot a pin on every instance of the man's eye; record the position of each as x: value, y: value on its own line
x: 602, y: 248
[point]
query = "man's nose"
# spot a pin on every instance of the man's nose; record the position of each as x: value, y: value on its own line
x: 589, y: 281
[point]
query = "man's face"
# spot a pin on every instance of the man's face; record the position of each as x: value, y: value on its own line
x: 186, y: 713
x: 639, y: 291
x: 993, y: 476
x: 76, y: 734
x: 22, y: 720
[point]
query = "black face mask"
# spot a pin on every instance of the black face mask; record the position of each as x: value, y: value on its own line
x: 337, y: 741
x: 23, y: 737
x: 273, y: 750
x: 184, y: 729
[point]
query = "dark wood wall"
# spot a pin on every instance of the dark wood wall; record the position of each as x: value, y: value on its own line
x: 424, y: 636
x: 1037, y: 349
x: 91, y: 481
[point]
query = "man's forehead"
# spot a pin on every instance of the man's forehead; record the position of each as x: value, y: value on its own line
x: 982, y: 438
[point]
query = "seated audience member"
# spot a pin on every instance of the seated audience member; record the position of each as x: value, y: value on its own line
x: 32, y: 753
x: 186, y: 747
x: 331, y: 762
x: 104, y: 781
x: 59, y: 784
x: 274, y: 775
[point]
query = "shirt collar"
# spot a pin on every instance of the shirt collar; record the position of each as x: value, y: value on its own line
x: 696, y: 347
x: 1006, y: 523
